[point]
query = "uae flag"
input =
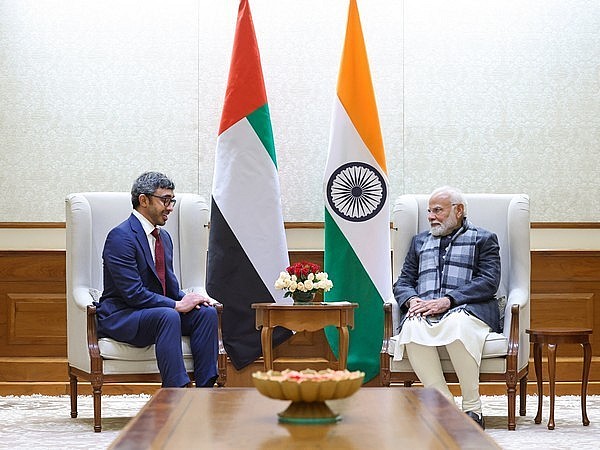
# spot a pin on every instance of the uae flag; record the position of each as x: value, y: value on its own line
x: 357, y: 221
x: 247, y: 246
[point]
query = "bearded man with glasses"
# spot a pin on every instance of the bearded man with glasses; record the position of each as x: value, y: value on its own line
x: 142, y: 303
x: 446, y: 293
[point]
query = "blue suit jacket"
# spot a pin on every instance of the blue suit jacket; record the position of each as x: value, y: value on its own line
x: 130, y: 280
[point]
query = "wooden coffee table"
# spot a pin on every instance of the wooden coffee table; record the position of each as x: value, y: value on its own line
x: 233, y: 418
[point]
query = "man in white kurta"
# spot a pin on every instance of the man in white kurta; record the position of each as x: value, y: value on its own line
x: 446, y: 293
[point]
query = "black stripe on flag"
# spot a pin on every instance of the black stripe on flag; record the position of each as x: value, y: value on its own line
x: 232, y: 280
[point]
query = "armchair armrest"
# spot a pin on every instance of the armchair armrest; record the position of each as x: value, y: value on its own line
x: 222, y: 355
x: 388, y: 326
x: 219, y: 308
x: 513, y: 341
x: 92, y: 340
x: 515, y: 324
x: 388, y: 329
x: 518, y: 296
x: 82, y: 297
x: 390, y: 321
x: 513, y: 336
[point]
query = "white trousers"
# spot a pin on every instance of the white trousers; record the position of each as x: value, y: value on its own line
x: 425, y: 361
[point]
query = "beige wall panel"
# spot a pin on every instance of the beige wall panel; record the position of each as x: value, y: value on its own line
x: 494, y: 96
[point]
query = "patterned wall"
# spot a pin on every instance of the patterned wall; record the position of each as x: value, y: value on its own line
x: 494, y: 96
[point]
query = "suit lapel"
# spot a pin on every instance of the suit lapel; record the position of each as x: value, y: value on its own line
x: 140, y: 235
x: 142, y: 239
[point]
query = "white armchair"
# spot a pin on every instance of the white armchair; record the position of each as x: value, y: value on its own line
x: 89, y: 217
x: 505, y: 356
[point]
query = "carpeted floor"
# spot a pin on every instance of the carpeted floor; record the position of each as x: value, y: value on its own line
x: 44, y: 422
x: 568, y: 434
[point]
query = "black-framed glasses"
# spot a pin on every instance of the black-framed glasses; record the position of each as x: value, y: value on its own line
x: 165, y: 199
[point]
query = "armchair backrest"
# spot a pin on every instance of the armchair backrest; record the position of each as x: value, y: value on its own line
x: 507, y: 215
x: 89, y: 218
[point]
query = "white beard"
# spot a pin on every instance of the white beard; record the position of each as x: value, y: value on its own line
x: 444, y: 228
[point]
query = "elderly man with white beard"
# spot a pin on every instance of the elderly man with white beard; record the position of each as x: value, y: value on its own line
x: 446, y: 294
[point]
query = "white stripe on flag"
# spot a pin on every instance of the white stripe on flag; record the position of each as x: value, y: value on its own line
x: 246, y: 179
x: 366, y: 238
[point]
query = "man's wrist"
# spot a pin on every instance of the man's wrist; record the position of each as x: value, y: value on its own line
x: 407, y: 302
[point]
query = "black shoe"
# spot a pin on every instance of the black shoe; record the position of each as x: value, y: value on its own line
x: 477, y: 418
x: 210, y: 383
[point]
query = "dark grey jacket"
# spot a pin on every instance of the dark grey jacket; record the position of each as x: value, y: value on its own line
x: 477, y: 296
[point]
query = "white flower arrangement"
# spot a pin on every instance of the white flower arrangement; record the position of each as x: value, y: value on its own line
x: 303, y: 277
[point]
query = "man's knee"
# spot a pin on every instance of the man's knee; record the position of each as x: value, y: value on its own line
x: 167, y: 316
x: 206, y: 313
x: 210, y: 312
x: 205, y: 317
x: 158, y: 324
x: 168, y: 313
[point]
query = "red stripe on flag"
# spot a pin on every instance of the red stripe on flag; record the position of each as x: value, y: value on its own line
x: 245, y: 86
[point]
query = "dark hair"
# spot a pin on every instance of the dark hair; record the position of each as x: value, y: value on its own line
x: 148, y: 183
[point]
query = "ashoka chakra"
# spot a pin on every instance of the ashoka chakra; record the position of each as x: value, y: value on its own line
x: 356, y: 191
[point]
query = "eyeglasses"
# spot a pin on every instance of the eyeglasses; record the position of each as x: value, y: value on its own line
x: 437, y: 210
x: 165, y: 199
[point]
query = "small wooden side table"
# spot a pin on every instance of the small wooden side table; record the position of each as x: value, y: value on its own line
x: 308, y: 317
x: 552, y: 337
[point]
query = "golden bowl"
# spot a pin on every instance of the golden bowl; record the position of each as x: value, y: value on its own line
x: 308, y: 385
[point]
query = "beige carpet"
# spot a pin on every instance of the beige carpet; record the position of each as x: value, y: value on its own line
x: 44, y: 422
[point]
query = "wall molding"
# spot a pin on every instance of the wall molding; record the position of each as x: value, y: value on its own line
x: 30, y: 225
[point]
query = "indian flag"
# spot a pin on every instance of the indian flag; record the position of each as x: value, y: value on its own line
x: 247, y: 246
x: 357, y: 221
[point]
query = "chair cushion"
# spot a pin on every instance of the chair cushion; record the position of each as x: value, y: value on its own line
x: 111, y: 349
x: 488, y: 366
x: 496, y: 345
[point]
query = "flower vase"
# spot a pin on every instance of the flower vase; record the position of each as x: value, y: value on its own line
x: 303, y: 297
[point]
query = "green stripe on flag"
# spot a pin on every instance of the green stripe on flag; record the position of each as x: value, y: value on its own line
x: 260, y: 120
x: 351, y: 283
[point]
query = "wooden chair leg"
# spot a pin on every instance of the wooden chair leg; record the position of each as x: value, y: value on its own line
x: 384, y: 369
x: 385, y: 377
x: 73, y: 393
x: 97, y: 393
x: 511, y: 392
x: 523, y: 396
x: 222, y: 369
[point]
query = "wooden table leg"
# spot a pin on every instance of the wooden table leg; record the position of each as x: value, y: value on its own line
x: 343, y: 350
x: 551, y: 337
x: 266, y: 338
x: 537, y: 362
x: 552, y: 377
x: 587, y: 362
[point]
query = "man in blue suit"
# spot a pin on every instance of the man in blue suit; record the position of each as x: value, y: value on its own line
x: 142, y: 303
